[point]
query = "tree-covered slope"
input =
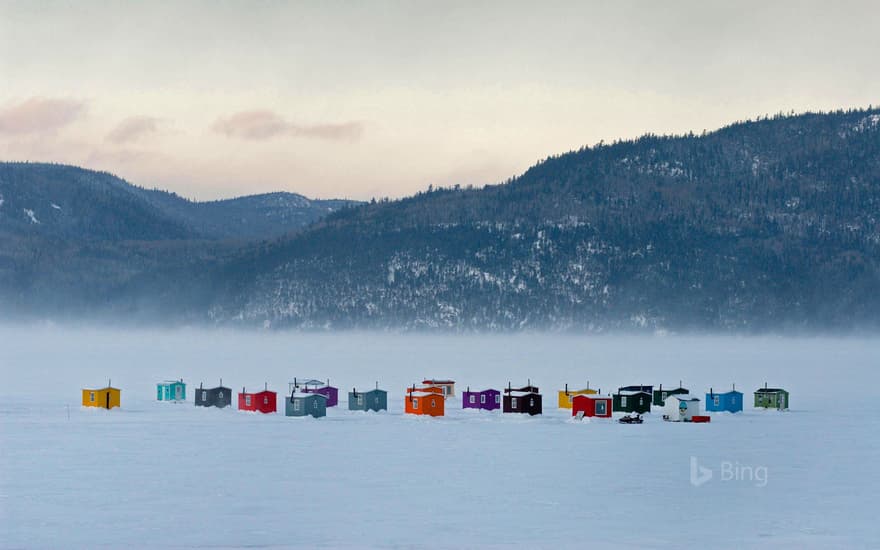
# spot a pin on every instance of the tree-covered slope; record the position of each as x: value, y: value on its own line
x: 760, y: 224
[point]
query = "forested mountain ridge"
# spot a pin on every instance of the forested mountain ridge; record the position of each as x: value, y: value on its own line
x: 71, y: 203
x: 762, y: 225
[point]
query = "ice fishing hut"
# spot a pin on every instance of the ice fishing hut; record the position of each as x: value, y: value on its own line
x: 566, y: 396
x: 219, y: 397
x: 171, y: 390
x: 771, y: 398
x: 370, y: 400
x: 488, y: 400
x: 591, y: 405
x: 681, y: 408
x: 731, y: 401
x: 102, y: 398
x: 525, y: 400
x: 448, y: 386
x: 425, y: 401
x: 632, y: 399
x: 306, y: 404
x: 265, y: 401
x: 316, y: 386
x: 660, y: 394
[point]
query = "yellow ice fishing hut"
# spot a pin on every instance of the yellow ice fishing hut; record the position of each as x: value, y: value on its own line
x: 103, y: 398
x: 566, y: 395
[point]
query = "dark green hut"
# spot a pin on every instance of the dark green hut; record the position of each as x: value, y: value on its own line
x: 660, y: 394
x: 771, y: 398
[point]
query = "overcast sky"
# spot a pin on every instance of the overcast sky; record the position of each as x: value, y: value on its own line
x: 344, y: 99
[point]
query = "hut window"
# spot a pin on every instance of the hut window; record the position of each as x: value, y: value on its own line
x: 473, y: 399
x: 623, y: 401
x: 600, y: 407
x: 204, y: 395
x: 92, y: 396
x: 220, y: 395
x: 415, y: 402
x: 247, y: 400
x: 265, y: 400
x: 433, y: 403
x: 315, y: 404
x: 513, y: 402
x: 360, y: 399
x: 498, y: 399
x: 532, y: 402
x: 716, y: 400
x: 483, y: 398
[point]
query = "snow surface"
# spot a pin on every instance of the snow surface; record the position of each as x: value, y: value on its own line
x: 157, y: 474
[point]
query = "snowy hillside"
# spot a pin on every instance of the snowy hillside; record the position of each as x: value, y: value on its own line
x: 162, y: 475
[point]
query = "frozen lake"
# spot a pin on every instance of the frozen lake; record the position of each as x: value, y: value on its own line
x: 159, y: 475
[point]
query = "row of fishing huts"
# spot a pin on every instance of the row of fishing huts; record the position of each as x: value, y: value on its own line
x: 312, y: 397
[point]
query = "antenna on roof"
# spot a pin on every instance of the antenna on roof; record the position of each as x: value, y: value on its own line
x: 711, y: 393
x: 266, y: 386
x: 733, y: 386
x: 221, y: 382
x: 109, y: 385
x: 377, y: 384
x: 566, y: 389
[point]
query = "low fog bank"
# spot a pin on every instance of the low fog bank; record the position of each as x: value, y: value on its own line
x: 57, y: 361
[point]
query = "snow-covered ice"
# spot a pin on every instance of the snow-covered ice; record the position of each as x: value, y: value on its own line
x: 163, y: 475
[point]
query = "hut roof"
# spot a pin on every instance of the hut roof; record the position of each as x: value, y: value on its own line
x: 632, y: 392
x: 524, y: 389
x: 683, y: 397
x: 303, y: 395
x: 102, y: 389
x: 728, y: 392
x: 422, y: 393
x: 769, y: 390
x: 645, y: 389
x: 437, y: 381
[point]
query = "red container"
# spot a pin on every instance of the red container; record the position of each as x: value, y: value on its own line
x: 701, y: 419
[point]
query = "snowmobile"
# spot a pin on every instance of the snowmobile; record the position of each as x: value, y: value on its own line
x: 631, y: 419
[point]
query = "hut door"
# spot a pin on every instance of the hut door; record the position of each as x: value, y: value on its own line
x: 107, y: 398
x: 177, y: 395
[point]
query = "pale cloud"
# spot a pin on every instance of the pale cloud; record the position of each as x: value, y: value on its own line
x: 39, y: 114
x: 133, y: 128
x: 262, y: 125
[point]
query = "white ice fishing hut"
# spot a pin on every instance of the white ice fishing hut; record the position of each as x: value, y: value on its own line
x: 681, y: 408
